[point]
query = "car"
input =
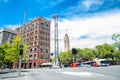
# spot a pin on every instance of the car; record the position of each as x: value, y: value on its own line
x: 94, y: 64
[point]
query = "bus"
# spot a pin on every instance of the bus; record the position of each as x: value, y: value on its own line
x: 101, y: 62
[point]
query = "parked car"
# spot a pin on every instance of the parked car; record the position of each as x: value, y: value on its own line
x: 94, y: 64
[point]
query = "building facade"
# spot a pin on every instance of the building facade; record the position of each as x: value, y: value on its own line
x: 7, y: 35
x: 66, y: 43
x: 36, y: 34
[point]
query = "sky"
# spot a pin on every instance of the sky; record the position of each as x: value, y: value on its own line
x: 88, y: 22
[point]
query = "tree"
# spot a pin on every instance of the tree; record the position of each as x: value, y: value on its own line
x: 66, y: 57
x: 104, y: 51
x: 3, y: 51
x: 79, y: 56
x: 12, y: 50
x: 116, y: 38
x: 87, y: 54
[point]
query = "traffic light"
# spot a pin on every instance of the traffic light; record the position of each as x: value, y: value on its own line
x: 21, y: 51
x: 74, y: 51
x: 51, y: 54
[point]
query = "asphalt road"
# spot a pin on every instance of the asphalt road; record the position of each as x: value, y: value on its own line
x: 81, y: 73
x: 98, y: 73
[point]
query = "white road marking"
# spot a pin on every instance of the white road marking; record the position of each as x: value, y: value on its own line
x: 78, y: 73
x: 82, y: 74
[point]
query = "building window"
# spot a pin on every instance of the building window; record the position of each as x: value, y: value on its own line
x: 41, y: 49
x: 35, y: 42
x: 30, y: 57
x: 46, y: 25
x: 42, y: 23
x: 46, y: 50
x: 36, y: 23
x: 31, y: 50
x: 32, y: 25
x: 46, y: 57
x: 35, y: 57
x: 41, y: 56
x: 35, y: 37
x: 35, y: 50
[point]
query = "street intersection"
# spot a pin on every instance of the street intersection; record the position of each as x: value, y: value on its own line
x: 79, y: 73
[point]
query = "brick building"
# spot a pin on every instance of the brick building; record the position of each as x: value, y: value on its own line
x: 36, y: 34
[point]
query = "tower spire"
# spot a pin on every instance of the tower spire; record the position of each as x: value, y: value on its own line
x: 66, y: 31
x: 66, y: 42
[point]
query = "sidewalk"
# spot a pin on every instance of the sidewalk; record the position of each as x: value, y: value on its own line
x: 13, y: 75
x: 6, y: 71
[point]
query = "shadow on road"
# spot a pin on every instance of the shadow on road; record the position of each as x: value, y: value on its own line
x: 11, y: 77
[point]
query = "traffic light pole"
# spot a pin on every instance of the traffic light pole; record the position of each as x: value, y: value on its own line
x: 73, y: 59
x: 19, y: 71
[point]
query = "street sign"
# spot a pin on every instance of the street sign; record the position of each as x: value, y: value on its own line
x: 21, y: 46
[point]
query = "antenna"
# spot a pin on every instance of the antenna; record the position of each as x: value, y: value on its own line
x: 25, y: 17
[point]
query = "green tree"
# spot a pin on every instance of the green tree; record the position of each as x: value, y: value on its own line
x: 87, y: 54
x: 3, y: 51
x: 116, y: 38
x: 79, y: 55
x: 12, y: 50
x: 104, y: 51
x: 66, y: 57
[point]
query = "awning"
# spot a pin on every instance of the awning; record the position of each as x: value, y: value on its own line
x: 47, y: 63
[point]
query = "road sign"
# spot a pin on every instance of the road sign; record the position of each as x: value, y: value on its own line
x: 21, y: 46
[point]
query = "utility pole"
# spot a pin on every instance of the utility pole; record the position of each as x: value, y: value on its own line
x: 21, y: 52
x: 56, y: 43
x: 21, y: 46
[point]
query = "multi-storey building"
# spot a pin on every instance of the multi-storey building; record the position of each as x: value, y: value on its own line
x: 36, y: 34
x: 7, y: 35
x: 66, y: 42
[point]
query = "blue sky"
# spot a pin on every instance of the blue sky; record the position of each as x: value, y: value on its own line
x: 12, y: 11
x: 87, y: 21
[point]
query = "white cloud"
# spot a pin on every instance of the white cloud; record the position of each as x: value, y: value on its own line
x: 99, y: 29
x: 88, y: 3
x: 82, y: 7
x: 12, y: 27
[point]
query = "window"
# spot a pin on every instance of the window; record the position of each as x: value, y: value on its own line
x: 36, y: 23
x: 31, y: 50
x: 35, y: 42
x: 30, y: 57
x: 46, y: 50
x: 35, y: 57
x: 35, y: 37
x: 35, y: 50
x: 46, y: 25
x: 46, y: 57
x: 32, y: 25
x: 41, y: 49
x: 41, y: 56
x: 42, y: 23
